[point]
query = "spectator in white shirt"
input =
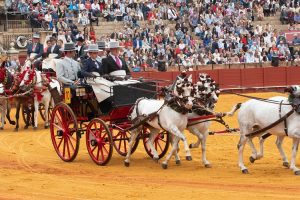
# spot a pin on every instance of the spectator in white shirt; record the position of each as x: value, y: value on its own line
x: 96, y: 8
x: 172, y: 13
x: 48, y: 19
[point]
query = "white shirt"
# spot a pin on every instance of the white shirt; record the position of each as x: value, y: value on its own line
x: 95, y: 6
x: 48, y: 18
x: 52, y: 48
x: 172, y: 15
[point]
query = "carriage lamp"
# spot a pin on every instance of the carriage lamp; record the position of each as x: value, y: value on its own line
x: 80, y: 91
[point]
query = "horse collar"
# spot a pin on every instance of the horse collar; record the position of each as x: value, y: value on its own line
x: 176, y: 105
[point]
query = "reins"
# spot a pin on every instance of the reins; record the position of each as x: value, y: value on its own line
x: 259, y: 99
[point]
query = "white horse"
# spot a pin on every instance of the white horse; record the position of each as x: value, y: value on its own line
x: 33, y: 78
x: 257, y: 155
x: 170, y: 116
x: 252, y: 116
x: 50, y: 62
x: 207, y: 92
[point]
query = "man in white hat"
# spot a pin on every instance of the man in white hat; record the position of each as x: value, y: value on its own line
x: 67, y: 68
x: 35, y: 49
x: 91, y: 64
x: 113, y: 62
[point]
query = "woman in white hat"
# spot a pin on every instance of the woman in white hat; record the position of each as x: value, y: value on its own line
x: 91, y: 64
x: 113, y: 64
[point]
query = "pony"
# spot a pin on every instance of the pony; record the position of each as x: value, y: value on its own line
x: 33, y: 79
x: 252, y: 116
x: 4, y: 108
x: 7, y: 87
x: 170, y: 116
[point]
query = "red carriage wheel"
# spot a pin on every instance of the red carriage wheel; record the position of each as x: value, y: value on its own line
x: 161, y: 142
x: 121, y: 141
x: 99, y: 141
x: 64, y: 132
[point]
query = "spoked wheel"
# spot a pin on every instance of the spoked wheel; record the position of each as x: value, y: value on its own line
x: 42, y: 111
x: 64, y: 132
x: 121, y: 142
x: 99, y: 141
x: 161, y: 143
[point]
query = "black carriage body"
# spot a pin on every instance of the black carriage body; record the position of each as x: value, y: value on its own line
x: 124, y: 95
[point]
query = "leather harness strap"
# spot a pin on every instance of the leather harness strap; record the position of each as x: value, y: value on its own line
x: 285, y: 122
x: 252, y: 134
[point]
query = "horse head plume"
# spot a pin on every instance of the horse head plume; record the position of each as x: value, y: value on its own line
x: 183, y: 86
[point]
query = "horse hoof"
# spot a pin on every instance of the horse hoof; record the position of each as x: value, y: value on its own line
x: 189, y: 158
x: 286, y: 164
x: 25, y: 127
x: 207, y: 165
x: 126, y: 164
x: 252, y: 160
x: 46, y: 127
x: 164, y: 166
x: 191, y: 146
x: 155, y: 159
x: 245, y: 171
x: 13, y: 123
x: 178, y: 162
x: 297, y: 173
x: 35, y: 128
x: 16, y: 130
x: 1, y: 128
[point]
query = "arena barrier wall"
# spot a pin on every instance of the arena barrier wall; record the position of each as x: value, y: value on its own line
x: 250, y: 79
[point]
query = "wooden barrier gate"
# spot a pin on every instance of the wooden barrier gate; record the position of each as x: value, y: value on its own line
x: 238, y: 79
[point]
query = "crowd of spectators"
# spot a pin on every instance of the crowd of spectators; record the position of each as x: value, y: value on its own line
x: 203, y: 32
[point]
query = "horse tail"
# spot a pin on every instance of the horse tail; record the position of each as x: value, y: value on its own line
x: 234, y: 109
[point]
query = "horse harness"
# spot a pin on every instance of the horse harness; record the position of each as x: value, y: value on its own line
x: 174, y: 103
x: 284, y: 121
x: 281, y: 119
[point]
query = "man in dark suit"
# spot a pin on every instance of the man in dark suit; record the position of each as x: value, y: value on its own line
x: 91, y: 64
x: 35, y: 49
x: 81, y: 54
x: 113, y: 62
x: 54, y: 48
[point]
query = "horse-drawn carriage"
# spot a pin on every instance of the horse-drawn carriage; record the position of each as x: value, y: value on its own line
x: 78, y: 112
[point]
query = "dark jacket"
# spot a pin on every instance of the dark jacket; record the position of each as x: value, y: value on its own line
x: 109, y: 65
x: 39, y: 49
x: 90, y: 66
x: 81, y: 53
x: 55, y: 50
x: 72, y: 38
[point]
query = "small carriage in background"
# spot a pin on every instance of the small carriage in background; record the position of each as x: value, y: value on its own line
x: 74, y: 116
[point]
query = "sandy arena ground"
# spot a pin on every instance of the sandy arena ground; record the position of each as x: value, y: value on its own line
x: 30, y: 169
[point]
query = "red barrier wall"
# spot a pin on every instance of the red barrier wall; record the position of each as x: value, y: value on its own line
x: 235, y: 78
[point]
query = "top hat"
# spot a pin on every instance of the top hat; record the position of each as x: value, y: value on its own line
x: 70, y: 46
x: 101, y: 45
x: 36, y: 35
x: 114, y: 45
x: 80, y: 39
x: 93, y: 48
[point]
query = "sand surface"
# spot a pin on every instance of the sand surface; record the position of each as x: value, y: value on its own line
x: 30, y: 169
